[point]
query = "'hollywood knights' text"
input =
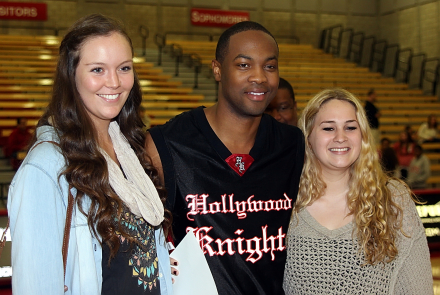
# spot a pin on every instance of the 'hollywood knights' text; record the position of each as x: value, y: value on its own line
x: 198, y: 204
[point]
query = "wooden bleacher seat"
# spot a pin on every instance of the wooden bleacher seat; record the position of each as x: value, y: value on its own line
x: 346, y: 85
x: 309, y: 70
x: 31, y: 81
x: 148, y: 96
x: 408, y: 105
x: 27, y: 66
x: 317, y: 77
x: 431, y: 146
x: 10, y: 75
x: 435, y: 157
x: 146, y: 90
x: 424, y: 113
x: 28, y: 63
x: 24, y: 96
x: 316, y: 74
x: 306, y: 69
x: 186, y: 105
x: 22, y: 105
x: 35, y: 57
x: 21, y: 113
x: 22, y: 52
x: 433, y: 181
x: 48, y: 89
x: 5, y: 132
x: 360, y: 92
x: 171, y: 97
x: 435, y: 167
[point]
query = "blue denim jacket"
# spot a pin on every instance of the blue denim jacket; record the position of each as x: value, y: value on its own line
x: 37, y: 205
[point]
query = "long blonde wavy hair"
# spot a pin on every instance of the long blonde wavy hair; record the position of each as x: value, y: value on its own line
x: 378, y: 218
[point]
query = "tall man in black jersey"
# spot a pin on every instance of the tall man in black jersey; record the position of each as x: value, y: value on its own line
x: 231, y: 171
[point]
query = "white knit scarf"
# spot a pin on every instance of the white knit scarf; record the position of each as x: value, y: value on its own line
x: 137, y: 191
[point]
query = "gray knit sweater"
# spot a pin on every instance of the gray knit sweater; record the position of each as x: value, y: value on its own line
x: 323, y: 261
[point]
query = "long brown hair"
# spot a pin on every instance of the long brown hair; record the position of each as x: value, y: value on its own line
x: 86, y: 169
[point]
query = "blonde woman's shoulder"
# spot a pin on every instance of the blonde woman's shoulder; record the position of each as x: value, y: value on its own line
x: 402, y: 197
x: 400, y: 192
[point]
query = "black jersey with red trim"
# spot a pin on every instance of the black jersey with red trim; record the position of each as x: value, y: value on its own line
x: 240, y: 212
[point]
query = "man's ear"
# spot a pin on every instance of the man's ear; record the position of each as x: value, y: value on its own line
x: 216, y: 70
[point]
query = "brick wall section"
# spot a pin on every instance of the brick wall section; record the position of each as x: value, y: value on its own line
x: 429, y: 29
x: 367, y: 24
x: 307, y: 28
x: 416, y: 26
x: 277, y: 22
x: 163, y: 17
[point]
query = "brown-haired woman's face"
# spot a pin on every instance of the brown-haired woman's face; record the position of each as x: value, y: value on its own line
x: 104, y: 76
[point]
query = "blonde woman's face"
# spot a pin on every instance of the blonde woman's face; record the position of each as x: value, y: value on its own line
x: 336, y: 136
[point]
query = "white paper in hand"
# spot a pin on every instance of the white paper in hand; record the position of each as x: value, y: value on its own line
x: 194, y: 274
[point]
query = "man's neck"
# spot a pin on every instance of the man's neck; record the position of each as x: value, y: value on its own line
x: 236, y: 132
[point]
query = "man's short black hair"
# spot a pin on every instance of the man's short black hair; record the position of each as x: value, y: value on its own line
x: 223, y: 41
x: 286, y: 85
x: 385, y: 139
x: 371, y: 92
x: 419, y: 147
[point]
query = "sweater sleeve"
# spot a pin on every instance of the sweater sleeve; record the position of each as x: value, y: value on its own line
x: 417, y: 262
x: 414, y: 274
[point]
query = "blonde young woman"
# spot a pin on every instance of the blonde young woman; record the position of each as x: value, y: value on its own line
x: 354, y: 229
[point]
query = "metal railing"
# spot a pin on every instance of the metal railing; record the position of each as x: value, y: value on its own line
x: 403, y: 65
x: 195, y: 61
x: 144, y: 32
x: 431, y: 68
x: 328, y: 42
x: 356, y: 50
x: 192, y: 34
x: 416, y: 70
x: 349, y: 44
x: 367, y: 51
x: 391, y: 59
x: 159, y: 40
x: 177, y: 53
x: 378, y: 56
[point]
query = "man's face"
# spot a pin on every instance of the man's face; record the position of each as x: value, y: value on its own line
x: 22, y: 125
x: 283, y: 108
x: 248, y: 75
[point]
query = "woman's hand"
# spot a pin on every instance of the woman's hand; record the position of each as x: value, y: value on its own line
x: 174, y: 271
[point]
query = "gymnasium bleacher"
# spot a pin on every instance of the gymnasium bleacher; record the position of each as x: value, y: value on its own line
x: 28, y: 63
x: 310, y: 70
x: 27, y: 66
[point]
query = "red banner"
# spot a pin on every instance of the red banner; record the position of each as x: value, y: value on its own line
x: 23, y: 11
x: 217, y: 18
